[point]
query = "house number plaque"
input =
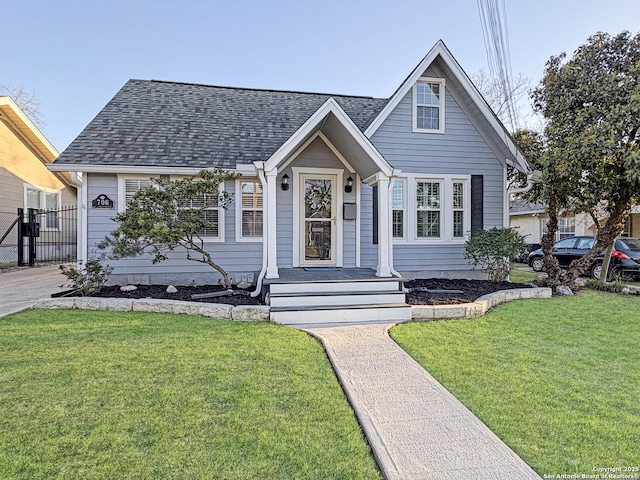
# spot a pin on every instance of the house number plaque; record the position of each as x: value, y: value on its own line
x: 102, y: 201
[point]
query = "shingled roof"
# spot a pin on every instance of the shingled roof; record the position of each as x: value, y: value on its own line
x: 156, y: 123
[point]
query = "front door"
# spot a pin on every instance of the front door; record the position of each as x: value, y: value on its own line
x: 318, y: 220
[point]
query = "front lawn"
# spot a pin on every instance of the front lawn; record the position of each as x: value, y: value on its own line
x: 556, y: 379
x: 147, y: 396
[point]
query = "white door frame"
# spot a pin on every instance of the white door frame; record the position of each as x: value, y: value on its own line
x: 299, y: 174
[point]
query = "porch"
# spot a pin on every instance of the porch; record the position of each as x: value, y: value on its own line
x: 336, y: 296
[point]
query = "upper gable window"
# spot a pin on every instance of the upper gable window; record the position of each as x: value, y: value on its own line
x: 428, y: 105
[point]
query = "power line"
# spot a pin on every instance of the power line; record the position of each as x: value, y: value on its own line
x: 493, y: 19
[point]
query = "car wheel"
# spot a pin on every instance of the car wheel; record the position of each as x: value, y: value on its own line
x: 596, y: 270
x: 537, y: 264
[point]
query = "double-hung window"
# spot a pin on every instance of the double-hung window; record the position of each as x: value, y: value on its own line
x: 398, y: 207
x: 458, y: 206
x: 206, y: 205
x: 48, y: 202
x: 428, y: 105
x: 249, y: 213
x: 428, y: 209
x: 431, y: 209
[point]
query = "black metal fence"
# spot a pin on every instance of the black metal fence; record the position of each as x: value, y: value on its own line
x: 38, y: 236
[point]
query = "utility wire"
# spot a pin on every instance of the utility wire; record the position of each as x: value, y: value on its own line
x: 495, y: 32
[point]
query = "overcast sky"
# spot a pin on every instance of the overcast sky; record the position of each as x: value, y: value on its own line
x: 76, y: 54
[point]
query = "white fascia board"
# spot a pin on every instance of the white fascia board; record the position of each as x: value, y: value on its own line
x: 137, y: 169
x: 440, y: 49
x: 330, y: 106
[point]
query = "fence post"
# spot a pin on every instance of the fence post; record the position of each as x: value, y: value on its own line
x: 20, y: 239
x: 32, y: 236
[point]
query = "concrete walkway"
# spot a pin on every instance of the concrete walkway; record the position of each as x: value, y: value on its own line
x: 20, y: 288
x: 416, y: 428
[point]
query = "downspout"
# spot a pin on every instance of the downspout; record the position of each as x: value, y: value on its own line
x: 265, y: 226
x: 532, y: 177
x: 81, y: 221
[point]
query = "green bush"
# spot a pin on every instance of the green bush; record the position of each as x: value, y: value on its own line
x: 492, y: 249
x: 89, y: 277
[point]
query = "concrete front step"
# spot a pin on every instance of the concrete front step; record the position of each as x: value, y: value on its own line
x: 327, y: 299
x: 369, y: 285
x: 393, y: 312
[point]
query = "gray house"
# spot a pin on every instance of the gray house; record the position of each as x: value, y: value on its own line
x: 358, y: 186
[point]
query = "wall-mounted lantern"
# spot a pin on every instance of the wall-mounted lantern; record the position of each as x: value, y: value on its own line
x: 348, y: 188
x: 285, y: 182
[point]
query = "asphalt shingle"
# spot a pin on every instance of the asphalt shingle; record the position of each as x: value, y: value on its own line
x: 157, y: 123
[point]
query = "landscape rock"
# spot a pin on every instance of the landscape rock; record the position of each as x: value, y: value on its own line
x: 128, y: 288
x: 564, y: 290
x: 244, y: 285
x: 172, y: 289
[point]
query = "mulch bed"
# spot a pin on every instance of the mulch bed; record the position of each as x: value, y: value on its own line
x: 432, y: 291
x: 439, y: 291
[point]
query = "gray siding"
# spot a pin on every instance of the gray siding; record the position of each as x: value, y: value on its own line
x: 462, y: 150
x: 368, y: 251
x: 241, y: 260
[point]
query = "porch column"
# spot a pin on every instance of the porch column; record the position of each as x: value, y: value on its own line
x: 271, y: 233
x: 384, y: 228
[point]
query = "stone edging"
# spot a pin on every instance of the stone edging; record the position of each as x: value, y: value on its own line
x: 247, y: 313
x: 260, y: 313
x: 477, y: 308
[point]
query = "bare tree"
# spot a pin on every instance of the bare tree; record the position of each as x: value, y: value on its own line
x: 492, y: 91
x: 28, y: 102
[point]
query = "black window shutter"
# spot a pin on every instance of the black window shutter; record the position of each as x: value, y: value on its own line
x: 477, y: 202
x: 374, y: 189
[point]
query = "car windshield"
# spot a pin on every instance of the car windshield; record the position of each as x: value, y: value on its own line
x: 630, y: 243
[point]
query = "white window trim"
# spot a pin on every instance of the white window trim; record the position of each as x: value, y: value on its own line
x: 221, y: 211
x: 414, y: 105
x: 239, y: 237
x: 446, y: 210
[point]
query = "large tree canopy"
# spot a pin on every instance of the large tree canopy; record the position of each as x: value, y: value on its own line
x: 592, y: 105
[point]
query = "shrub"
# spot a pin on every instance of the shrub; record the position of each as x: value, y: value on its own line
x: 88, y: 278
x: 492, y: 249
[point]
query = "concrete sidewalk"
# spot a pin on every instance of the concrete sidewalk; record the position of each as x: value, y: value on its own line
x: 416, y: 428
x: 20, y: 288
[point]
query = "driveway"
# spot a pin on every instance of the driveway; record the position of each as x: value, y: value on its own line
x: 20, y: 288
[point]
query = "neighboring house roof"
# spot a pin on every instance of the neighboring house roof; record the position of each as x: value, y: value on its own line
x: 156, y: 123
x: 24, y: 129
x: 523, y: 207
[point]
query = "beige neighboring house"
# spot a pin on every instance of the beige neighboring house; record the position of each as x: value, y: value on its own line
x: 25, y: 181
x: 531, y: 220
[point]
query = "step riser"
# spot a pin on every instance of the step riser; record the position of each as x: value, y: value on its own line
x: 396, y: 314
x: 336, y: 287
x: 338, y: 300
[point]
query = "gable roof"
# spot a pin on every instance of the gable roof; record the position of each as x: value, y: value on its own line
x: 26, y: 131
x: 441, y: 50
x: 167, y: 124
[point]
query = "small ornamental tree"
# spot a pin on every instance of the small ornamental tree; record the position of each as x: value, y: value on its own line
x: 492, y: 249
x: 170, y: 215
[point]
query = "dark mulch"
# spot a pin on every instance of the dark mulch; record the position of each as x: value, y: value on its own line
x: 471, y: 290
x: 183, y: 293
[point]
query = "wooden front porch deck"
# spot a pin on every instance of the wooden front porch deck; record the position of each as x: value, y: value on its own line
x: 323, y: 274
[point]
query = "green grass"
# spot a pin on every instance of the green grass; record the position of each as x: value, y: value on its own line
x: 521, y: 276
x: 147, y: 396
x: 556, y: 379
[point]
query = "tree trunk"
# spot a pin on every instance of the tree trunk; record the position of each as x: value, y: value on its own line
x: 604, y: 274
x: 550, y: 263
x: 605, y: 237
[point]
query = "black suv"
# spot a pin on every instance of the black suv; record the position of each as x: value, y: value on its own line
x: 625, y: 257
